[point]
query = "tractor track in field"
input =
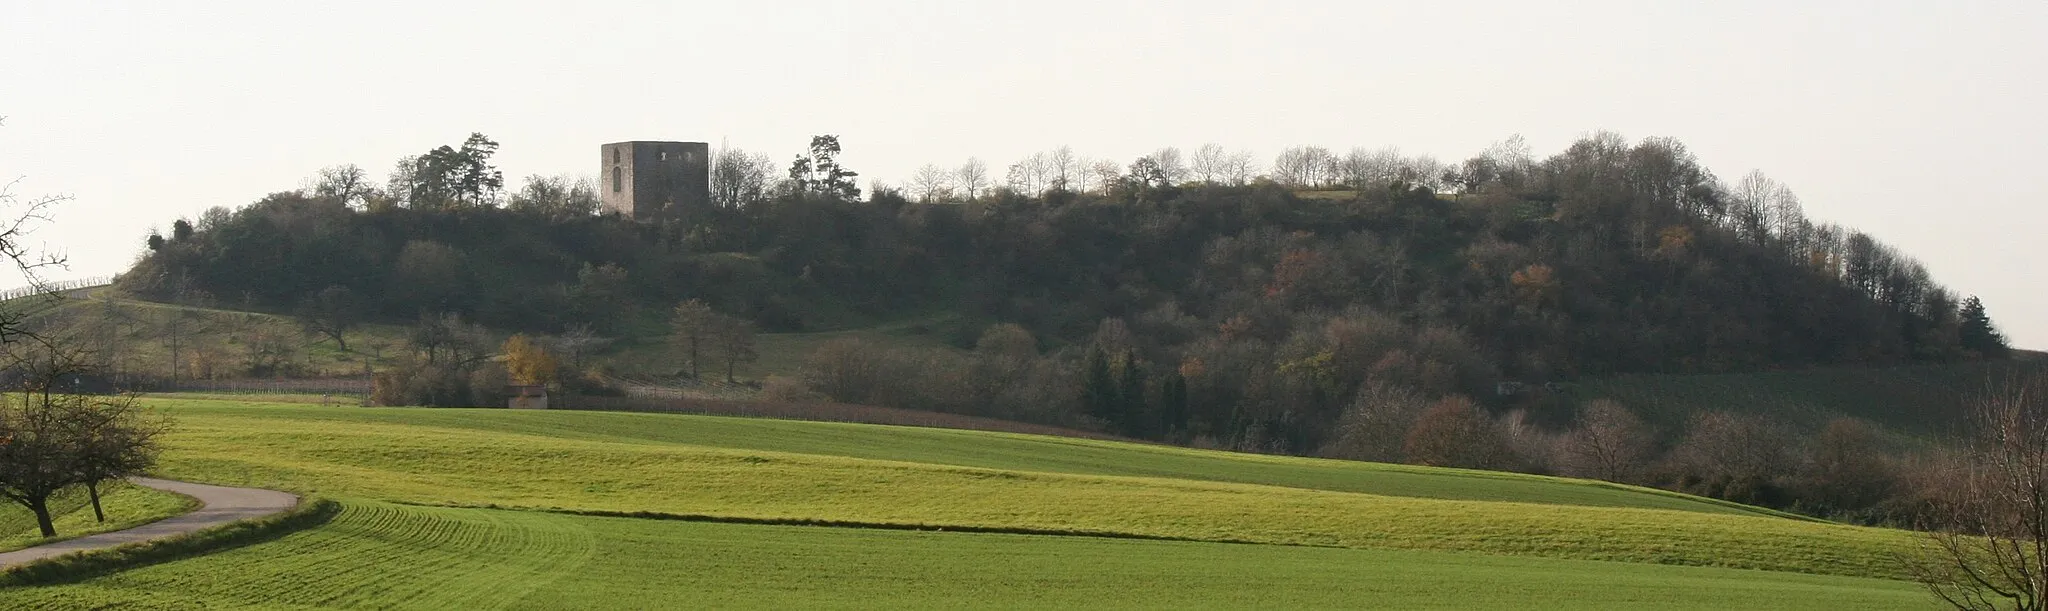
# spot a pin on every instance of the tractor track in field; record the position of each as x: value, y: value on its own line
x: 218, y: 505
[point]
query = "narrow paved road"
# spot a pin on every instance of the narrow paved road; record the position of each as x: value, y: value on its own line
x: 218, y: 505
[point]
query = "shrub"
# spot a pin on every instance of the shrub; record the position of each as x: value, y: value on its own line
x: 844, y: 369
x: 1738, y: 457
x: 1609, y: 443
x: 416, y: 383
x: 1847, y: 470
x: 1453, y: 433
x: 1376, y: 424
x: 785, y: 389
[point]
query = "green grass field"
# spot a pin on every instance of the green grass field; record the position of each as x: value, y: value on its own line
x: 126, y: 506
x: 444, y: 558
x: 476, y: 508
x: 775, y: 470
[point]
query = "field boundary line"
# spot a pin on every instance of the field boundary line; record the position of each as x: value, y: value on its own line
x: 1056, y: 532
x: 826, y: 523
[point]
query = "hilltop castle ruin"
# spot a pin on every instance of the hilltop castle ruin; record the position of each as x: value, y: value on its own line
x: 648, y: 180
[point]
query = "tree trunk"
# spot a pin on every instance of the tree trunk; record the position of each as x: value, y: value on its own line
x: 728, y: 369
x: 41, y: 507
x: 92, y: 489
x: 693, y: 358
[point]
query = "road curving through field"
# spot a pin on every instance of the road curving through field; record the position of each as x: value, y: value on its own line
x: 218, y: 505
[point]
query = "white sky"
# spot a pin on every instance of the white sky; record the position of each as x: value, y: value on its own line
x: 1919, y: 122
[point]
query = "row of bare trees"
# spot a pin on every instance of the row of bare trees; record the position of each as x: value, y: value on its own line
x: 1304, y: 167
x: 1065, y: 170
x: 700, y: 331
x: 1838, y: 470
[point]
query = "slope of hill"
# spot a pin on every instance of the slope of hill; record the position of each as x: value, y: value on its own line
x: 814, y: 473
x: 138, y: 338
x: 935, y: 446
x: 1273, y: 306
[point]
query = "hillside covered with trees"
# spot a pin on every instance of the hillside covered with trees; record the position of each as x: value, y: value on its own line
x: 1169, y: 297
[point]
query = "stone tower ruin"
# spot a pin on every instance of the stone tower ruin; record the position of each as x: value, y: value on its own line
x: 650, y: 180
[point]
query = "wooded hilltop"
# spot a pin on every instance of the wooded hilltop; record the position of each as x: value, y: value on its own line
x: 1182, y: 298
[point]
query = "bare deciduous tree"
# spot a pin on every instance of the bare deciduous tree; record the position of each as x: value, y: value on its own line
x: 1172, y: 166
x: 1210, y: 164
x: 1739, y: 457
x: 1304, y: 167
x: 331, y: 313
x: 1848, y: 467
x: 694, y: 324
x: 24, y: 216
x: 347, y: 183
x: 115, y: 438
x: 1106, y: 173
x: 844, y: 369
x: 972, y: 177
x: 1242, y: 167
x: 1752, y: 206
x: 1022, y: 177
x: 931, y: 184
x: 1061, y: 168
x: 734, y: 338
x: 1987, y: 543
x: 558, y: 197
x: 740, y: 179
x: 577, y: 344
x: 1376, y: 423
x: 1610, y: 443
x: 1454, y: 433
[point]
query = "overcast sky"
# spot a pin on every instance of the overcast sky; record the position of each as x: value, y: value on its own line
x: 1919, y: 122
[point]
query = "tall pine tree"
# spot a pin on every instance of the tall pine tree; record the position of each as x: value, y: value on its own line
x: 1978, y: 335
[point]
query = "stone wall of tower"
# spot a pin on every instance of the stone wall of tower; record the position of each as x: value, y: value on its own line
x: 649, y: 180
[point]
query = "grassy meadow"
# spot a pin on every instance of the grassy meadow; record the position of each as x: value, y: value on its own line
x: 441, y: 558
x: 126, y: 505
x: 482, y: 508
x: 859, y: 474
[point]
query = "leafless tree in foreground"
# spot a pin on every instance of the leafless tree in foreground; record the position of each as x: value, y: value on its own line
x: 19, y: 218
x: 1987, y: 541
